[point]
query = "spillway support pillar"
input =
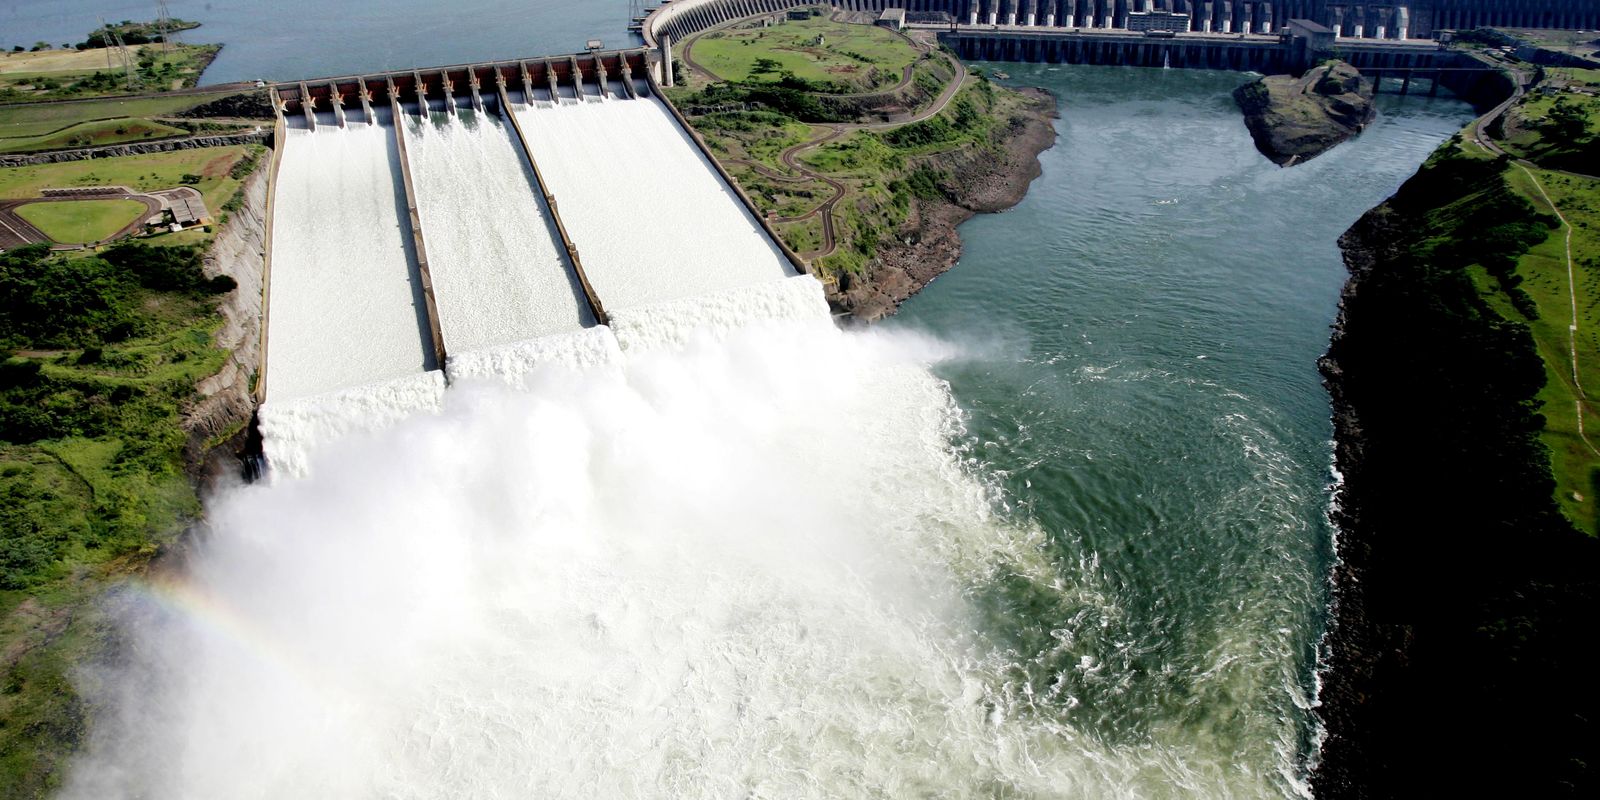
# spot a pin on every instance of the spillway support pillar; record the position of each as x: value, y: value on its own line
x: 424, y: 275
x: 337, y: 101
x: 589, y: 294
x: 422, y: 97
x: 449, y: 93
x: 550, y: 77
x: 366, y: 102
x: 527, y: 83
x: 577, y: 78
x: 627, y: 81
x: 477, y: 95
x: 601, y: 76
x: 306, y: 107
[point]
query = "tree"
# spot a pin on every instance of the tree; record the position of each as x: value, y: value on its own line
x: 1568, y: 123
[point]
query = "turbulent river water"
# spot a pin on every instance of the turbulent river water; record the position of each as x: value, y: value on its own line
x: 1055, y: 531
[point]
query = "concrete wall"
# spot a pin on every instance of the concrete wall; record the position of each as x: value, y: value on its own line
x: 1352, y: 18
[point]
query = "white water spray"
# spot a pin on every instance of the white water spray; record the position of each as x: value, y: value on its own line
x: 739, y: 561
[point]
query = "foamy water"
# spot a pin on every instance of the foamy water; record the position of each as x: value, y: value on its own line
x: 498, y: 270
x: 293, y: 430
x: 739, y: 562
x: 650, y: 216
x: 346, y: 309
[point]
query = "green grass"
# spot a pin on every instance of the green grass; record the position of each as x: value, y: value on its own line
x: 882, y: 170
x: 214, y: 166
x: 81, y: 221
x: 856, y: 57
x: 85, y: 73
x: 1545, y: 278
x: 92, y: 134
x: 38, y: 119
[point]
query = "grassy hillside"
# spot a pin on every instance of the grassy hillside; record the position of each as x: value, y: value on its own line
x: 68, y: 73
x: 833, y: 55
x: 98, y: 357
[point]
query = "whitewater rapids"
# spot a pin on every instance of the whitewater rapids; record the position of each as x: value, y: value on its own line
x: 741, y: 563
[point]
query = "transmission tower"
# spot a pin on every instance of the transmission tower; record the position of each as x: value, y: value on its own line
x: 122, y: 50
x: 164, y: 27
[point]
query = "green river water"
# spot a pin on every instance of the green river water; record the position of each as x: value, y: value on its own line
x: 1142, y: 334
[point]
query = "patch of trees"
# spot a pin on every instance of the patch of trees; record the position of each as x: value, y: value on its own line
x: 1467, y: 671
x: 790, y: 97
x: 1567, y: 135
x: 49, y: 302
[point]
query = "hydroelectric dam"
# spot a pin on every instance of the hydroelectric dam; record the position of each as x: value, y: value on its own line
x: 482, y: 220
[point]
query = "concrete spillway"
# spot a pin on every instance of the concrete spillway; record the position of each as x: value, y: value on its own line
x: 346, y: 303
x: 499, y: 272
x: 694, y: 238
x: 495, y: 246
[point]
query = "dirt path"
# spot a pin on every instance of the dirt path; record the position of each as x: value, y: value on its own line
x: 1572, y: 293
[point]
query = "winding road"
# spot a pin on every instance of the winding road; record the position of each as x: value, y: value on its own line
x: 791, y: 156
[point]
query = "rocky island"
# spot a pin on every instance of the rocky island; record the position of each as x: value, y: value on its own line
x: 1295, y: 119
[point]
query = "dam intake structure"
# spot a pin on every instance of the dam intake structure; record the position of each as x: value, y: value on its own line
x: 466, y: 222
x: 1394, y: 20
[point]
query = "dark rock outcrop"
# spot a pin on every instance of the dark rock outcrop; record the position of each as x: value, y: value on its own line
x: 1294, y: 119
x: 263, y: 136
x: 245, y: 105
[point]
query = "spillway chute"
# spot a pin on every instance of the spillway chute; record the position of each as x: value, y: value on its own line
x: 542, y: 217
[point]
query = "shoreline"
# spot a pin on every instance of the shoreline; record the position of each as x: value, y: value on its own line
x: 1351, y: 649
x: 929, y: 243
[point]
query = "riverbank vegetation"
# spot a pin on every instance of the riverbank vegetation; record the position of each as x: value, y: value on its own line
x: 98, y: 357
x: 96, y: 66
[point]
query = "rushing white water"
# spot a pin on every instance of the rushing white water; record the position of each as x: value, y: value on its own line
x: 292, y: 430
x: 346, y: 309
x: 498, y: 273
x: 738, y: 562
x: 652, y: 219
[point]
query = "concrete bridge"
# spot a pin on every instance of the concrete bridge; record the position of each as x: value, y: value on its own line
x: 1354, y: 19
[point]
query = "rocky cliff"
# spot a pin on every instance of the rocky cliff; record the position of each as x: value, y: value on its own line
x: 226, y: 404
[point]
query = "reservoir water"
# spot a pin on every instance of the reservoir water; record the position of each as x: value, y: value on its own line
x: 289, y: 39
x: 1055, y: 531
